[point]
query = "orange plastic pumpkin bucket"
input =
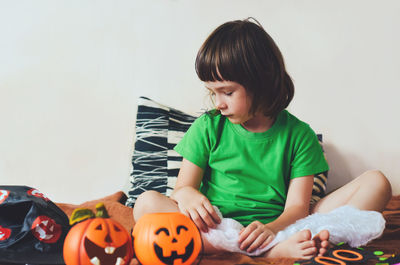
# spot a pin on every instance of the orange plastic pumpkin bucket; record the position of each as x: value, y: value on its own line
x: 166, y: 238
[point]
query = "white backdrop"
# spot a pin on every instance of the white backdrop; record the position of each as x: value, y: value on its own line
x: 71, y: 73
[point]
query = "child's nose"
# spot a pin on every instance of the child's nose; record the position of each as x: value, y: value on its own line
x: 221, y: 106
x: 220, y: 103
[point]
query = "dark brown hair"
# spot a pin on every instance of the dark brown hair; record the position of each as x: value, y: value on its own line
x: 242, y: 51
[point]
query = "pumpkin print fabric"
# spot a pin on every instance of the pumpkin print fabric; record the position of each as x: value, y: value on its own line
x: 166, y: 238
x: 32, y: 227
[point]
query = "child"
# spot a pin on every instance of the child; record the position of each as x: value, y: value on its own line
x: 250, y: 157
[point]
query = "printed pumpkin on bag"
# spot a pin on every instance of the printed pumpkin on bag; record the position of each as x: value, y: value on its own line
x: 32, y: 227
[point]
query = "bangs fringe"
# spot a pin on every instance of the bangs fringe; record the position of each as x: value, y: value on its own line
x: 214, y: 61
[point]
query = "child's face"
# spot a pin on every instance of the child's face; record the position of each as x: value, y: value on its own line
x: 231, y: 99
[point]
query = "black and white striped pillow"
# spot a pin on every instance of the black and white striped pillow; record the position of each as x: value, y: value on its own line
x: 320, y: 180
x: 155, y: 164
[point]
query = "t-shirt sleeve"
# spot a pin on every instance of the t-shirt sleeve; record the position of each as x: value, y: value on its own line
x: 308, y: 157
x: 195, y: 144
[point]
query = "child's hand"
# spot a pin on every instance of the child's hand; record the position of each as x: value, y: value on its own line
x: 255, y: 235
x: 195, y: 205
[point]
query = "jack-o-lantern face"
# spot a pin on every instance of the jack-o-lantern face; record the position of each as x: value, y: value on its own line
x: 4, y: 233
x: 3, y: 195
x: 166, y: 238
x: 98, y: 241
x: 45, y: 229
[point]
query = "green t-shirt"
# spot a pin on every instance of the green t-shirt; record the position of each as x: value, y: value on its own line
x: 246, y: 174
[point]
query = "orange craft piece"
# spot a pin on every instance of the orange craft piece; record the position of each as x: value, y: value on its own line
x: 99, y: 241
x: 166, y: 238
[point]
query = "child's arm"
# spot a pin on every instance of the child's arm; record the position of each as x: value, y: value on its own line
x: 297, y: 204
x: 190, y: 200
x: 257, y: 235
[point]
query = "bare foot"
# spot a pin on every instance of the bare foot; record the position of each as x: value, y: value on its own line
x: 322, y: 242
x: 299, y: 245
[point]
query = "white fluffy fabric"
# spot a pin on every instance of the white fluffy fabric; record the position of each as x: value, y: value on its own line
x: 345, y: 224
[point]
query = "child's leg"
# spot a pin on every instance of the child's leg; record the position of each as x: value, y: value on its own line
x: 370, y: 191
x: 300, y: 245
x: 155, y: 202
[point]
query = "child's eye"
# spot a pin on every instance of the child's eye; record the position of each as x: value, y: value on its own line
x: 228, y: 93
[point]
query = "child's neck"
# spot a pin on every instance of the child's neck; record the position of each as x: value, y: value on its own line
x: 258, y: 124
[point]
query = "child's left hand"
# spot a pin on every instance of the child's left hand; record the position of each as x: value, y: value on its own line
x: 255, y: 235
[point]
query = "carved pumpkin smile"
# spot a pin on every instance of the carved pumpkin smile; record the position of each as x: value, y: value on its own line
x: 108, y: 255
x: 174, y: 255
x: 97, y: 241
x: 166, y: 238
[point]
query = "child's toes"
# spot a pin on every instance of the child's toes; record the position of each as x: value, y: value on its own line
x: 307, y: 244
x: 325, y: 244
x: 312, y: 251
x: 304, y: 235
x: 322, y: 251
x: 323, y: 235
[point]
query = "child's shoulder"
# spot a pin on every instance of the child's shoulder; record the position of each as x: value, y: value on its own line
x: 293, y: 123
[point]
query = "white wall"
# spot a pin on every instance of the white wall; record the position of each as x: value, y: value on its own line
x: 71, y: 72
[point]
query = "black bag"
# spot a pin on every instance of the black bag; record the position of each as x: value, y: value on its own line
x: 32, y: 228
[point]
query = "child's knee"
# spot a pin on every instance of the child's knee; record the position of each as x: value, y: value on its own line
x: 145, y: 201
x: 148, y: 198
x: 378, y: 180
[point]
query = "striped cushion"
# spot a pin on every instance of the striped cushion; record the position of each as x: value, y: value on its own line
x: 155, y: 164
x: 320, y: 180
